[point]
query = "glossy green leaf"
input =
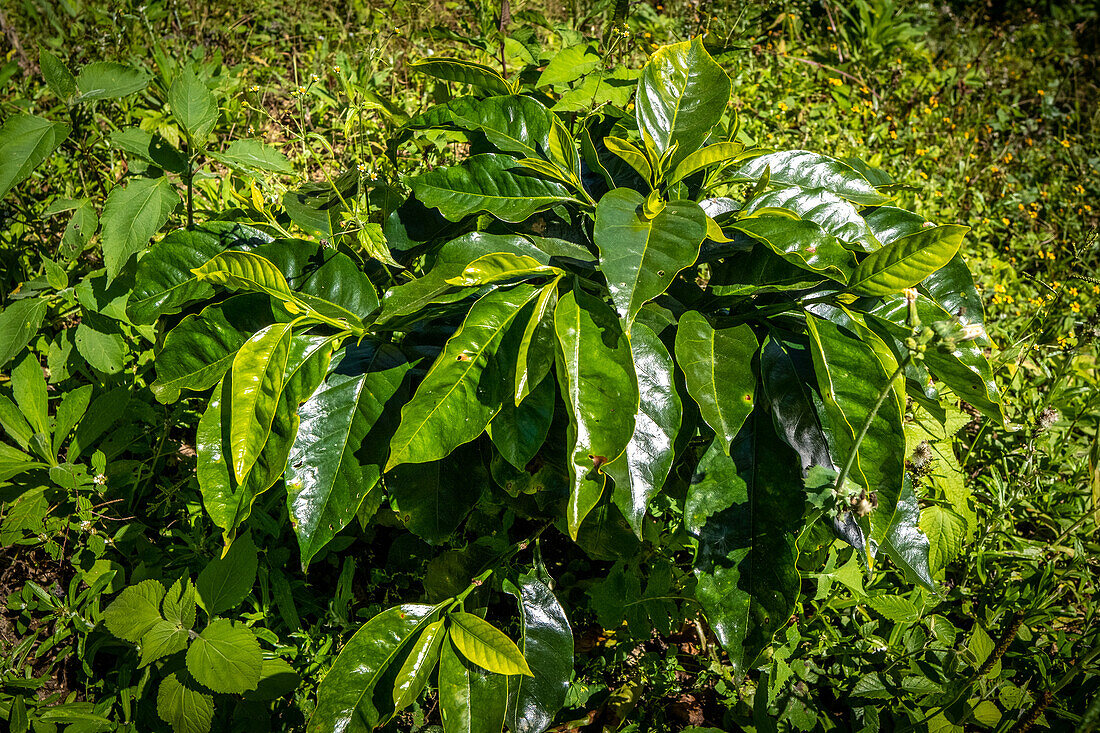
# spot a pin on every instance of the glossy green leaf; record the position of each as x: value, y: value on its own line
x: 108, y: 80
x: 340, y: 448
x: 226, y: 581
x: 501, y: 267
x: 325, y: 280
x: 463, y: 72
x: 907, y: 261
x: 432, y: 499
x: 246, y: 271
x: 462, y: 391
x: 547, y: 643
x: 786, y: 370
x: 132, y: 214
x: 413, y: 675
x: 485, y: 645
x: 681, y: 96
x: 600, y: 389
x: 890, y: 222
x: 952, y: 288
x: 703, y: 157
x: 225, y: 657
x: 135, y: 610
x: 471, y: 700
x: 57, y: 75
x: 165, y: 282
x: 640, y: 472
x: 354, y: 696
x: 750, y: 502
x: 813, y: 171
x: 19, y: 323
x: 254, y: 155
x: 227, y: 502
x: 26, y: 141
x: 512, y: 124
x: 717, y: 366
x: 906, y: 543
x: 535, y: 354
x: 193, y: 106
x: 835, y: 215
x: 258, y: 370
x: 850, y: 378
x: 631, y: 155
x: 641, y: 256
x: 486, y: 182
x: 801, y: 242
x: 182, y: 706
x: 518, y: 431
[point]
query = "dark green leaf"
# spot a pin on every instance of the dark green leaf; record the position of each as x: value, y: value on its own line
x: 26, y: 141
x: 801, y: 242
x: 132, y: 214
x: 186, y: 709
x: 835, y: 215
x: 135, y: 610
x: 471, y: 700
x: 547, y: 643
x: 226, y: 581
x: 905, y: 543
x: 814, y: 171
x: 58, y: 77
x: 432, y: 499
x: 18, y: 324
x: 463, y: 72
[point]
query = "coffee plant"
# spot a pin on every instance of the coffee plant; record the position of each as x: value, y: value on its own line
x: 611, y: 321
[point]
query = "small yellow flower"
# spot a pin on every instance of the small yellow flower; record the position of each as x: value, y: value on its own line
x: 994, y: 169
x: 254, y: 88
x: 1075, y: 307
x: 783, y: 106
x: 1005, y: 221
x: 835, y: 82
x: 336, y: 69
x: 1041, y: 92
x: 1064, y: 143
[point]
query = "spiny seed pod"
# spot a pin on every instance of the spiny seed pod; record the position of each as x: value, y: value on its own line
x: 922, y: 455
x: 1046, y: 418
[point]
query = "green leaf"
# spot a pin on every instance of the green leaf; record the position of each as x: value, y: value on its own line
x: 786, y: 370
x: 485, y: 182
x: 254, y: 155
x: 226, y: 581
x: 150, y: 148
x: 890, y: 222
x: 341, y: 443
x: 325, y: 280
x: 165, y: 282
x: 682, y: 94
x: 135, y: 610
x: 569, y: 64
x: 200, y: 349
x: 258, y: 370
x: 640, y: 256
x: 745, y: 566
x: 895, y: 608
x: 277, y: 679
x: 850, y: 378
x: 518, y: 431
x: 73, y: 406
x: 58, y: 77
x: 193, y: 106
x: 907, y: 261
x: 600, y: 389
x: 512, y: 124
x: 225, y: 657
x: 246, y: 271
x: 718, y: 372
x: 179, y: 604
x: 802, y: 243
x: 462, y: 391
x: 945, y: 531
x: 813, y: 171
x: 227, y: 502
x: 501, y: 267
x: 132, y: 214
x: 535, y: 354
x: 26, y: 141
x: 103, y: 350
x: 19, y: 323
x: 79, y: 230
x: 703, y: 157
x: 186, y: 709
x: 630, y: 153
x: 471, y: 700
x: 905, y: 542
x: 836, y: 216
x: 107, y: 80
x: 952, y: 288
x: 418, y: 666
x: 28, y: 385
x: 162, y: 639
x: 642, y: 469
x: 432, y: 499
x: 463, y: 72
x: 547, y: 643
x: 354, y: 696
x: 485, y: 645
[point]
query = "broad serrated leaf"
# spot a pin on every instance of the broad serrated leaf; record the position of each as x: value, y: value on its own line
x: 108, y: 80
x: 26, y: 141
x: 254, y: 155
x: 718, y: 373
x: 132, y: 214
x: 135, y: 610
x: 193, y: 106
x: 57, y: 75
x: 18, y: 324
x: 225, y: 657
x: 186, y: 709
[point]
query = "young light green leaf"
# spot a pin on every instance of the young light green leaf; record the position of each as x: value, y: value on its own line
x: 225, y: 657
x: 718, y: 372
x: 907, y: 261
x: 135, y: 610
x: 258, y: 371
x: 703, y: 157
x: 186, y: 709
x: 501, y: 267
x: 535, y: 355
x: 414, y: 673
x: 246, y: 271
x: 193, y: 106
x: 630, y: 153
x: 132, y: 214
x: 485, y: 645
